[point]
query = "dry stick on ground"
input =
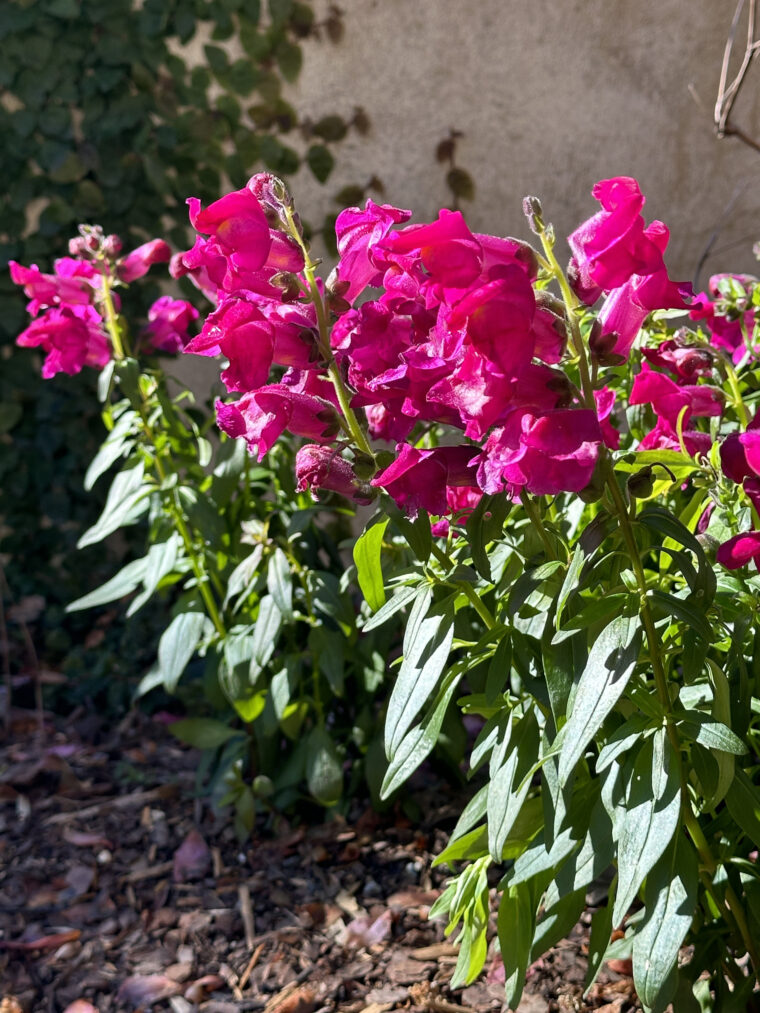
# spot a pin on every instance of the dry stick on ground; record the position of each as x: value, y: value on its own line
x: 728, y: 93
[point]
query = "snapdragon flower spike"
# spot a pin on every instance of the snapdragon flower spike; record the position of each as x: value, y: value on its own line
x: 319, y: 467
x: 726, y: 332
x: 168, y: 325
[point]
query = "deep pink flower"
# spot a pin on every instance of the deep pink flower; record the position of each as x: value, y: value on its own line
x: 546, y: 454
x: 613, y: 245
x: 449, y: 252
x: 139, y: 261
x: 63, y: 287
x: 319, y: 467
x: 419, y: 479
x: 665, y: 437
x: 384, y: 424
x: 725, y: 332
x: 686, y: 362
x: 740, y: 550
x: 460, y: 502
x: 498, y: 318
x: 253, y: 339
x: 357, y: 232
x: 740, y: 453
x: 626, y: 308
x: 72, y: 336
x: 169, y: 323
x: 669, y: 399
x: 238, y: 225
x: 263, y: 415
x: 605, y: 402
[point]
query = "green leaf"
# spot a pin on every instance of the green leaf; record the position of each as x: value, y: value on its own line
x: 743, y: 801
x: 509, y: 786
x: 399, y: 600
x: 125, y: 581
x: 418, y: 743
x: 601, y: 933
x: 178, y: 644
x: 711, y: 734
x: 688, y: 612
x: 126, y: 501
x: 203, y: 733
x: 160, y: 562
x: 367, y: 552
x: 280, y: 583
x: 516, y: 925
x: 570, y: 583
x: 117, y: 444
x: 427, y: 642
x: 485, y: 524
x: 611, y: 663
x: 289, y: 60
x: 670, y: 900
x: 650, y: 820
x: 265, y: 634
x: 324, y: 770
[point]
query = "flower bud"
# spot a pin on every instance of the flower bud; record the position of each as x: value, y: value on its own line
x: 364, y: 466
x: 112, y: 246
x: 78, y: 246
x: 549, y: 301
x: 641, y: 483
x: 534, y: 213
x: 287, y: 282
x: 594, y: 491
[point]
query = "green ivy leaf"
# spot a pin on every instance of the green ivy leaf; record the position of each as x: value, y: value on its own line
x: 320, y: 161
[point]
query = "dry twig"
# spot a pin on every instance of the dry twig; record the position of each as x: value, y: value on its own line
x: 728, y: 93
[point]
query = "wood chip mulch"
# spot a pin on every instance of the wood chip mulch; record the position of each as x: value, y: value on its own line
x: 120, y: 889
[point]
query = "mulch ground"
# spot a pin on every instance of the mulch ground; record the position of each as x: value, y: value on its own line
x: 121, y: 890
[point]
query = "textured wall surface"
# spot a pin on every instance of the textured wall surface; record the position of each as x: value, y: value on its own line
x: 551, y: 95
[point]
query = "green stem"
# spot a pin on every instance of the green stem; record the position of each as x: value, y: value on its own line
x: 112, y: 324
x: 344, y: 397
x: 733, y: 383
x: 531, y: 509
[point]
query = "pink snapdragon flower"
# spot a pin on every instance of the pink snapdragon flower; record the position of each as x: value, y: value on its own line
x: 72, y: 336
x: 686, y: 362
x: 169, y: 323
x: 544, y: 454
x: 449, y: 252
x: 740, y: 550
x: 420, y: 479
x: 613, y: 244
x: 139, y: 261
x: 263, y: 415
x: 669, y: 399
x: 71, y: 284
x: 358, y: 231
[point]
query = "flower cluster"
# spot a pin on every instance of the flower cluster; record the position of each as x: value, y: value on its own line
x: 458, y: 360
x: 68, y: 308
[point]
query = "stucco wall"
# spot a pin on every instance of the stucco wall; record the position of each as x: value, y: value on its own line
x: 551, y: 95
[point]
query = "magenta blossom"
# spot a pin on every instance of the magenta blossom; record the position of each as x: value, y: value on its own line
x: 169, y: 323
x: 72, y: 336
x: 613, y: 244
x: 419, y: 479
x: 139, y: 261
x: 357, y: 232
x: 669, y: 399
x: 262, y: 416
x: 319, y: 467
x: 66, y: 286
x: 685, y: 362
x: 449, y: 252
x: 545, y: 454
x: 740, y: 550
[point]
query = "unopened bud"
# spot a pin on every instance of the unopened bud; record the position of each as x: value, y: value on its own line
x: 641, y: 483
x: 112, y: 246
x: 601, y: 342
x: 78, y: 246
x: 548, y: 300
x: 364, y: 466
x: 262, y: 786
x: 534, y: 213
x: 594, y: 491
x: 288, y: 285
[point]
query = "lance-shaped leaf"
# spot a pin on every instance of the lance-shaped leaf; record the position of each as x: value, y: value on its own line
x: 369, y: 572
x: 178, y: 644
x: 610, y: 664
x: 650, y: 819
x: 126, y: 501
x: 125, y: 581
x: 427, y: 642
x: 669, y: 898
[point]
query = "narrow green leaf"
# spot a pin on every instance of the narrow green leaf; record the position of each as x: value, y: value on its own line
x: 126, y: 500
x: 743, y: 801
x: 516, y: 925
x: 367, y: 552
x: 280, y: 582
x: 125, y: 581
x: 712, y: 734
x: 610, y: 665
x: 508, y: 787
x: 399, y: 600
x: 427, y: 642
x: 670, y: 900
x: 650, y: 820
x: 570, y: 583
x: 203, y: 733
x: 117, y: 444
x: 178, y: 644
x: 265, y: 633
x: 160, y: 562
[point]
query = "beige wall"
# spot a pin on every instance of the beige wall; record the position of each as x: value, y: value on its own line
x: 551, y: 95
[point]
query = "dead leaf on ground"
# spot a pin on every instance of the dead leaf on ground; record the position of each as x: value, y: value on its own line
x: 365, y: 931
x: 142, y: 990
x: 192, y: 859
